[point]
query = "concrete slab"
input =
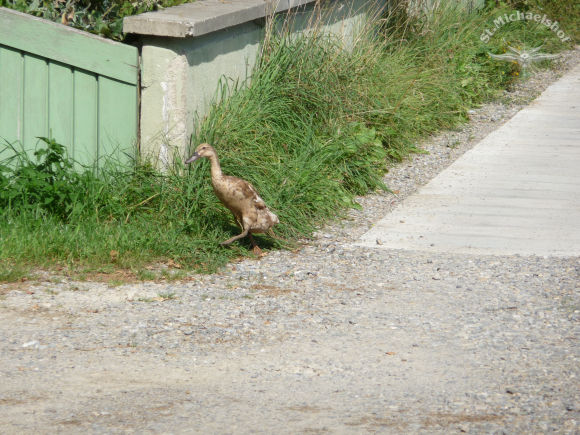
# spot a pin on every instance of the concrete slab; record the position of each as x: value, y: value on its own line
x: 204, y: 16
x: 516, y: 192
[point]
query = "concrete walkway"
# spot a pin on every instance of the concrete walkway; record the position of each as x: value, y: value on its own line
x: 516, y: 192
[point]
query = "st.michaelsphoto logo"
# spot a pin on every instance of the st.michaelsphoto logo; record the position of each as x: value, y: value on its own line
x: 500, y: 21
x: 524, y: 57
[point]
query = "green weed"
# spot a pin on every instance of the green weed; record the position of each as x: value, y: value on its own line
x: 148, y: 300
x: 146, y: 275
x: 167, y: 296
x: 173, y: 276
x: 14, y: 273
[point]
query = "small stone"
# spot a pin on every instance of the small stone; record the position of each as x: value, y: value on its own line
x: 30, y: 343
x: 379, y: 242
x: 131, y: 294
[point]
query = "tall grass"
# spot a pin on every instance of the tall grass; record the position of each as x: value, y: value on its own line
x: 565, y: 12
x: 316, y: 126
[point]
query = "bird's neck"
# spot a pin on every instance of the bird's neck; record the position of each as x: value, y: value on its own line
x: 216, y: 170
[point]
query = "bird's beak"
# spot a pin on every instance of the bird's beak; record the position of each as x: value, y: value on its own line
x: 192, y: 158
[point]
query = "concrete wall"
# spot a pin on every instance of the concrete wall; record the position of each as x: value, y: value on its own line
x: 180, y: 79
x: 180, y: 76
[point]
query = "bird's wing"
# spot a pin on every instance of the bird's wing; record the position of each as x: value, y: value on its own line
x: 507, y: 56
x: 542, y: 56
x: 533, y: 50
x: 244, y: 191
x: 258, y: 202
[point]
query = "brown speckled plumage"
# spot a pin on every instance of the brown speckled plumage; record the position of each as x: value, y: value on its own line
x: 239, y: 197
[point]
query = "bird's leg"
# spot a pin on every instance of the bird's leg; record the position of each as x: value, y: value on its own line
x: 233, y: 239
x: 257, y: 251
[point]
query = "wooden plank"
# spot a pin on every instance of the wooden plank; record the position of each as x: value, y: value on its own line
x: 85, y: 117
x: 60, y: 104
x: 10, y: 94
x: 117, y: 119
x: 35, y: 100
x: 69, y: 46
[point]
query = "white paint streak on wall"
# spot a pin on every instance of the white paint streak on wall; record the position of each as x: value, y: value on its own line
x: 173, y: 110
x: 165, y: 117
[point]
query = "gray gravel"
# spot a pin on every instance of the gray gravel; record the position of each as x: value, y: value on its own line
x: 330, y: 339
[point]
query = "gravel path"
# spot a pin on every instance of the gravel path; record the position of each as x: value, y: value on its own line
x: 330, y: 339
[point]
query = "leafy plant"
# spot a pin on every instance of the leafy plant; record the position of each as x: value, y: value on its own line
x: 49, y: 185
x: 101, y: 17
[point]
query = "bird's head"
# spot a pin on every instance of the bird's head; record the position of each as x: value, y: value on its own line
x: 204, y: 150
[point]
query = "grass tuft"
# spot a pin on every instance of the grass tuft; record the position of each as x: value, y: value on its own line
x: 14, y: 273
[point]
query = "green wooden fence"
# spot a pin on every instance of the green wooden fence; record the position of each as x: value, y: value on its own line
x: 76, y: 87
